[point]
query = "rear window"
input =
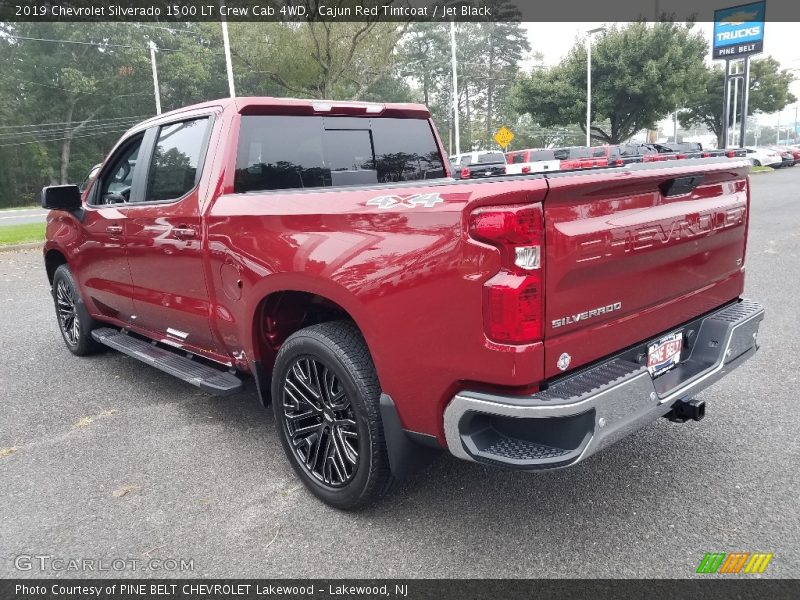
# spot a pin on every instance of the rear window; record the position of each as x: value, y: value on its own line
x: 575, y: 152
x: 579, y: 152
x: 516, y: 157
x: 491, y: 157
x: 287, y: 152
x: 542, y: 155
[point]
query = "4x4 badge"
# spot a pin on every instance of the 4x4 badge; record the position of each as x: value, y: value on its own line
x: 411, y: 201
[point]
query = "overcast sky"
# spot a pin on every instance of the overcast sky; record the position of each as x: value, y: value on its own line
x: 554, y: 41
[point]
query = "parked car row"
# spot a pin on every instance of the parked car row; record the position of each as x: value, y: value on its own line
x: 609, y: 155
x: 774, y: 156
x: 472, y: 165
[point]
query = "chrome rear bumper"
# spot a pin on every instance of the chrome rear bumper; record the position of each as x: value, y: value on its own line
x: 583, y: 412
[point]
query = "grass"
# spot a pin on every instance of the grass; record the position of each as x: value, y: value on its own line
x: 761, y: 169
x: 28, y: 207
x: 21, y: 234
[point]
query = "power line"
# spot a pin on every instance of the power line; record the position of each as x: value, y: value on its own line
x: 66, y: 130
x: 62, y: 138
x: 108, y: 45
x: 139, y: 117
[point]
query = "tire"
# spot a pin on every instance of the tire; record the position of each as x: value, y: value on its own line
x: 73, y: 319
x: 325, y: 397
x: 756, y: 162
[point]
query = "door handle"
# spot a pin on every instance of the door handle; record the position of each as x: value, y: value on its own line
x: 114, y: 229
x: 184, y: 233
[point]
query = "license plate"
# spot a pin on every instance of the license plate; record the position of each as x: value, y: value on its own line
x: 664, y: 354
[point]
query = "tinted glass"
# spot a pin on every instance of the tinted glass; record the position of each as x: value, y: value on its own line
x: 542, y: 155
x: 516, y: 157
x: 599, y: 151
x: 173, y: 169
x: 491, y: 158
x: 579, y: 152
x: 116, y: 184
x: 284, y: 152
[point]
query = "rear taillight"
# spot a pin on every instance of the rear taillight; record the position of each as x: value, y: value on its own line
x: 731, y: 154
x: 706, y: 154
x: 513, y: 303
x: 680, y: 156
x: 619, y: 162
x: 526, y: 169
x: 465, y: 173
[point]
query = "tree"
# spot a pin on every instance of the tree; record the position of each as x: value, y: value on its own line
x: 640, y: 73
x: 769, y: 92
x: 488, y: 57
x: 90, y: 82
x: 327, y: 59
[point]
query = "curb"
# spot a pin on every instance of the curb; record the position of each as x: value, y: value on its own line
x: 15, y: 247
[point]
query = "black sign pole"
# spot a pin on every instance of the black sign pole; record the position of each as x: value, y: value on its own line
x: 745, y: 97
x: 726, y: 111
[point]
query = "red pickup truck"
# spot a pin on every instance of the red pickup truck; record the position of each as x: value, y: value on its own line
x: 323, y: 251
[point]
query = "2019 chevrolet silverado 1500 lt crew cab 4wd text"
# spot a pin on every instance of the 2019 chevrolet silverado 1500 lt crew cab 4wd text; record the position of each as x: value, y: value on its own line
x: 387, y: 310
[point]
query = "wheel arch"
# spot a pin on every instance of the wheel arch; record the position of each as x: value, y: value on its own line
x: 53, y: 258
x: 282, y: 311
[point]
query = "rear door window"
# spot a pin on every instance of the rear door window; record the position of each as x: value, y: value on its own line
x: 290, y: 152
x: 174, y: 166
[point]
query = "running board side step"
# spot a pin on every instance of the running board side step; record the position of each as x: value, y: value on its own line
x: 210, y: 380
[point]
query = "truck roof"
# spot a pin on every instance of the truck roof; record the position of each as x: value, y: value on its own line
x: 268, y: 105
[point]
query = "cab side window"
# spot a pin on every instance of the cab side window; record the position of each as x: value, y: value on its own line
x: 174, y: 168
x: 116, y: 183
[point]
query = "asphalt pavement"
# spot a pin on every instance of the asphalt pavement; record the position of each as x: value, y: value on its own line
x: 105, y: 458
x: 20, y: 216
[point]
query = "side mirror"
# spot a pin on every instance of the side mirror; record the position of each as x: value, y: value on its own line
x: 61, y: 197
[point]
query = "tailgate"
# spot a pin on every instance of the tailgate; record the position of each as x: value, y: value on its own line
x: 631, y: 253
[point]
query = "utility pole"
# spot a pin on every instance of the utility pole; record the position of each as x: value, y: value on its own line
x: 589, y: 84
x: 227, y: 46
x: 155, y: 76
x: 675, y: 127
x: 454, y: 65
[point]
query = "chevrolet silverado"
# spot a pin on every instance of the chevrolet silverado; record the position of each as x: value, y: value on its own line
x: 385, y: 310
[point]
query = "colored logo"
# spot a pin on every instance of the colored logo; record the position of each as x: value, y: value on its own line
x: 392, y: 201
x: 739, y: 30
x: 734, y: 562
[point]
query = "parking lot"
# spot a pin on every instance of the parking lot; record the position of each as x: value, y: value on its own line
x: 105, y: 458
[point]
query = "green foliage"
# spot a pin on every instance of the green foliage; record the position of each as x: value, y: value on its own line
x: 64, y: 104
x: 488, y: 57
x: 640, y: 73
x: 317, y: 59
x: 769, y: 92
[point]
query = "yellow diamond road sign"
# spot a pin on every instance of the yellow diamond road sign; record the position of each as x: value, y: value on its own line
x: 503, y: 136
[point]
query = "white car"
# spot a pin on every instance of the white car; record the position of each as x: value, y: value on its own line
x: 532, y: 161
x: 763, y: 157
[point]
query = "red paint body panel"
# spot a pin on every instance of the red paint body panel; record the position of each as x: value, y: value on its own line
x: 409, y: 276
x: 617, y: 239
